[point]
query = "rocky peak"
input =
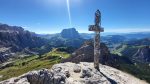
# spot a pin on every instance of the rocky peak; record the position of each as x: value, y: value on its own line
x: 142, y: 55
x: 81, y: 54
x: 15, y: 39
x: 10, y: 29
x: 71, y: 73
x: 70, y: 33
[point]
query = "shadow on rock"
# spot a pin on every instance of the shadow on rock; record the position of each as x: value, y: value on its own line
x: 110, y: 80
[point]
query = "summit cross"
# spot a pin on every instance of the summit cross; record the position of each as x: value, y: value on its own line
x: 97, y: 29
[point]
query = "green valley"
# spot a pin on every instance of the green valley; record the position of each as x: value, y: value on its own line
x: 26, y: 64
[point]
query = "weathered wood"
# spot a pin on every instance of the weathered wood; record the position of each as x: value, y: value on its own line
x: 96, y: 50
x: 97, y: 29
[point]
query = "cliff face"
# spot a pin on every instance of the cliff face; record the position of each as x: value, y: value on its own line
x: 18, y: 38
x: 142, y: 55
x: 70, y: 73
x: 15, y: 39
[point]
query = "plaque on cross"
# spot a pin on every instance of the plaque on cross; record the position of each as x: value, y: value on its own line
x: 97, y: 29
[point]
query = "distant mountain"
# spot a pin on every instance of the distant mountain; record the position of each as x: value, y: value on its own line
x: 134, y: 42
x: 15, y: 39
x: 67, y: 38
x: 129, y: 36
x: 46, y: 36
x: 87, y: 35
x: 136, y: 50
x: 139, y: 35
x: 142, y: 55
x: 113, y: 39
x: 70, y: 33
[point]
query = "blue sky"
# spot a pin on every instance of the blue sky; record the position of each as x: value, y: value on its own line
x: 51, y: 16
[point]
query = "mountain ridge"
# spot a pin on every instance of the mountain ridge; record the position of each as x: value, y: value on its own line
x: 15, y: 39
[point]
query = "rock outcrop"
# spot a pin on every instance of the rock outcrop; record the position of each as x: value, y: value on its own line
x: 71, y: 73
x: 86, y: 54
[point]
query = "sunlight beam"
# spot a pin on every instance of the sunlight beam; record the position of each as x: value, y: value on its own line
x: 69, y: 14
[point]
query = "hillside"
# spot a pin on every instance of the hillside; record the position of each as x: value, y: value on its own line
x: 34, y: 62
x: 139, y: 55
x: 15, y: 39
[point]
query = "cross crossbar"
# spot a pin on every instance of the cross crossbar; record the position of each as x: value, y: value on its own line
x: 96, y: 28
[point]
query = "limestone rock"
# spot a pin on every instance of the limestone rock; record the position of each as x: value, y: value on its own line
x: 81, y: 54
x: 39, y: 77
x: 77, y: 68
x: 63, y: 73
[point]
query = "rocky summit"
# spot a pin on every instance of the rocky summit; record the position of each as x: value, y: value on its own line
x: 81, y: 54
x: 71, y: 73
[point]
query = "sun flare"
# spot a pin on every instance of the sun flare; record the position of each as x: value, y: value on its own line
x: 69, y: 13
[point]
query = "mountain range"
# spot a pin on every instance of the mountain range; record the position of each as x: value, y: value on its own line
x: 21, y: 48
x: 15, y: 39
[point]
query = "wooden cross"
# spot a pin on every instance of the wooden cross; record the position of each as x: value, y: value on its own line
x: 97, y: 29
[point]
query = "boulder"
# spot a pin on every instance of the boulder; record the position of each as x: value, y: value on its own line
x: 77, y: 68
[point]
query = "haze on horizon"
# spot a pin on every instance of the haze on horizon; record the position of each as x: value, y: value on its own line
x: 51, y: 16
